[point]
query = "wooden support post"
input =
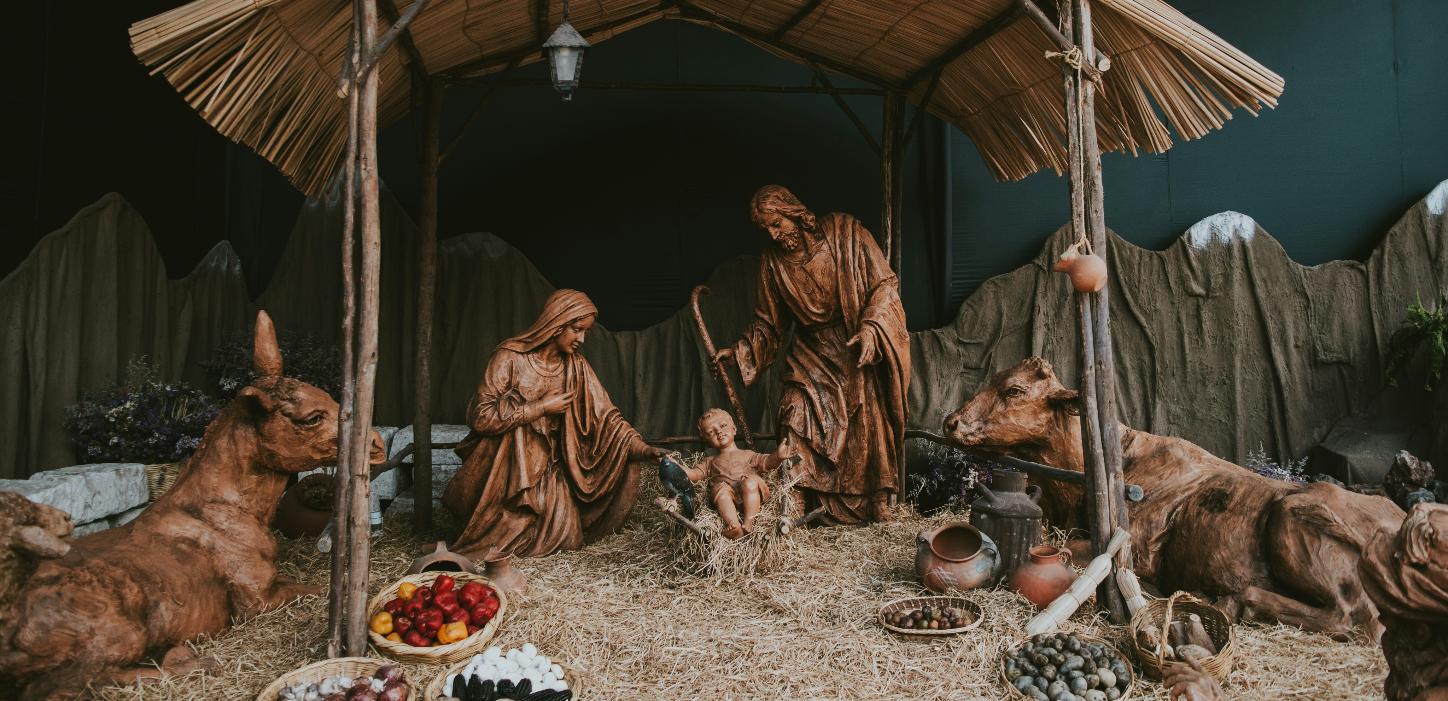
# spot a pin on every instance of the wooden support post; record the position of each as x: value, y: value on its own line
x: 342, y: 499
x: 426, y: 296
x: 892, y: 170
x: 1101, y: 301
x: 1084, y: 159
x: 358, y: 538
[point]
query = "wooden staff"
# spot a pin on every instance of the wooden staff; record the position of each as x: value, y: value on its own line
x: 788, y: 524
x: 426, y: 295
x: 719, y: 368
x: 678, y: 518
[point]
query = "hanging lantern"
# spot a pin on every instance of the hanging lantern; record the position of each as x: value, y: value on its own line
x: 565, y: 56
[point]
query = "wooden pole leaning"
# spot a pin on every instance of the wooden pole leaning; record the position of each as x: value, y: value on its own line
x: 426, y: 303
x: 359, y: 541
x: 1081, y: 129
x: 342, y: 501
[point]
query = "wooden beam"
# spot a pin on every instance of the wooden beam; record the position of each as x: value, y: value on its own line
x: 697, y: 87
x: 415, y: 62
x: 426, y: 294
x: 891, y: 131
x: 377, y: 50
x: 792, y: 22
x: 540, y: 20
x: 845, y: 107
x: 696, y: 13
x: 1093, y: 67
x: 968, y: 42
x: 924, y: 107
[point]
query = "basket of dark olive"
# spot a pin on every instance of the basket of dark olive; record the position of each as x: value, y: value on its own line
x: 1066, y: 667
x: 931, y: 615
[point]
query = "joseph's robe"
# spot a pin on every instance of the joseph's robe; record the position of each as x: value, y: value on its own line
x: 847, y: 422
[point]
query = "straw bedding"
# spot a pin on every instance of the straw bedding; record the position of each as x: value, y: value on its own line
x: 718, y: 557
x: 633, y: 624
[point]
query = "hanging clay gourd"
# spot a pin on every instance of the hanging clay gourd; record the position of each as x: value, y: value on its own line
x: 1087, y: 271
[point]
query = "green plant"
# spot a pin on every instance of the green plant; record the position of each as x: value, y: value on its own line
x: 1423, y: 326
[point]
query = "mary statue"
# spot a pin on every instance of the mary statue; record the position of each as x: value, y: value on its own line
x: 546, y: 464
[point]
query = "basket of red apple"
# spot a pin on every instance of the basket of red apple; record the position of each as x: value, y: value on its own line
x: 435, y: 617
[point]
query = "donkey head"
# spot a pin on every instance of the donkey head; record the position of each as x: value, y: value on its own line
x: 296, y: 423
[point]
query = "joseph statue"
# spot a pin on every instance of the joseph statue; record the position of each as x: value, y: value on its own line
x: 848, y: 368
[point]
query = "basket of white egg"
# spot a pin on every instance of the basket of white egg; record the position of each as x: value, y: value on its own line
x: 519, y: 674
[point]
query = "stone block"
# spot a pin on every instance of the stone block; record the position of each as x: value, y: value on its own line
x: 401, y: 506
x: 89, y: 528
x: 126, y: 517
x: 87, y: 492
x: 441, y: 433
x: 387, y: 432
x: 1358, y: 452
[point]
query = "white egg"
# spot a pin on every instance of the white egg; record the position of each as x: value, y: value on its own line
x: 512, y: 654
x: 556, y: 671
x: 530, y: 650
x: 492, y: 653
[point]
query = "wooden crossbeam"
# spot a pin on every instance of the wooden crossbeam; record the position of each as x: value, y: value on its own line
x: 415, y: 63
x: 792, y: 22
x: 968, y: 42
x: 845, y: 107
x: 540, y: 20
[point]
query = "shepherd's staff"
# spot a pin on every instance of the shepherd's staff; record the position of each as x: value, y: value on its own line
x: 719, y: 368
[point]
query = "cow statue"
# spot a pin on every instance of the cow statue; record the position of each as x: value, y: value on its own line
x: 1260, y: 548
x: 200, y: 556
x: 1406, y: 575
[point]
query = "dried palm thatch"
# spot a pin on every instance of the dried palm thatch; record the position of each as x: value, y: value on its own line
x: 720, y: 558
x: 265, y: 72
x: 634, y: 626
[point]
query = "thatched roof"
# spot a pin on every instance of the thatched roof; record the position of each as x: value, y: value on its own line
x: 265, y: 72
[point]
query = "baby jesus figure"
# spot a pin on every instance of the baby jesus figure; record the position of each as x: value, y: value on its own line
x: 734, y: 474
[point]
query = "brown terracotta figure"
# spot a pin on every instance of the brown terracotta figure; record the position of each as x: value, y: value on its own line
x: 1262, y: 548
x: 735, y: 475
x: 848, y: 369
x: 546, y: 464
x: 1406, y: 574
x: 200, y: 556
x: 29, y: 533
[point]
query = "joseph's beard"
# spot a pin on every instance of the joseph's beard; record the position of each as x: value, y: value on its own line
x: 791, y: 243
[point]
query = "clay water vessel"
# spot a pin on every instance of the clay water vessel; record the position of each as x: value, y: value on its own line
x: 955, y: 557
x: 1086, y: 270
x: 1007, y: 513
x: 1045, y: 577
x: 441, y: 559
x: 498, y: 567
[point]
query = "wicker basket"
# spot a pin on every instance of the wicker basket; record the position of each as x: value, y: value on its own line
x: 161, y: 476
x: 440, y: 654
x: 1018, y: 694
x: 1161, y: 612
x: 936, y: 601
x: 317, y: 671
x: 435, y: 690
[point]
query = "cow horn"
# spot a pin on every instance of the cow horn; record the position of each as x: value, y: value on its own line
x: 266, y: 357
x: 40, y: 543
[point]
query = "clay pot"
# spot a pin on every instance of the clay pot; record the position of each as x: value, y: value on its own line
x: 1044, y: 577
x: 1087, y: 272
x: 441, y: 560
x: 294, y: 517
x: 499, y: 568
x: 955, y: 557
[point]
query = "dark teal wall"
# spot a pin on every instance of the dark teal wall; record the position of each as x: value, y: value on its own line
x: 1360, y: 135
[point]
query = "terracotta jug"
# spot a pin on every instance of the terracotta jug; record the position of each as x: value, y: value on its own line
x: 1087, y: 271
x: 441, y: 559
x: 499, y: 568
x: 1044, y: 578
x: 955, y: 557
x: 1007, y: 513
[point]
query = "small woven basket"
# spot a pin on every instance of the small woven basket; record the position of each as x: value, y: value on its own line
x: 436, y: 691
x: 439, y: 654
x: 1160, y: 613
x: 1018, y: 694
x: 936, y: 601
x: 317, y: 671
x: 161, y: 476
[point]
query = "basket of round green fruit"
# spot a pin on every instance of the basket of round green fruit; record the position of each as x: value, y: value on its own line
x: 931, y: 615
x: 1066, y: 667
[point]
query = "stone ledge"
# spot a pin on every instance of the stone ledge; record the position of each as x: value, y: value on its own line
x: 441, y: 433
x: 87, y: 492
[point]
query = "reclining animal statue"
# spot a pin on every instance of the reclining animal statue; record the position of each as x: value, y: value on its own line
x: 1258, y: 547
x: 198, y: 557
x: 1407, y: 577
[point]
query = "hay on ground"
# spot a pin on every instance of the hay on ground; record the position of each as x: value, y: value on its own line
x: 634, y: 625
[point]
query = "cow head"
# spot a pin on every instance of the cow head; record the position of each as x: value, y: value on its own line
x: 1022, y: 407
x: 296, y: 423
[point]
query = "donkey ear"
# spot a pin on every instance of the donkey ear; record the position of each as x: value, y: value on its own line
x: 266, y: 357
x: 258, y: 403
x: 1068, y: 399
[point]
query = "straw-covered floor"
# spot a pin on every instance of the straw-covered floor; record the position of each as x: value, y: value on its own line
x: 633, y: 625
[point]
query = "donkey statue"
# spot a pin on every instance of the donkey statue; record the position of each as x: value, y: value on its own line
x: 200, y: 556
